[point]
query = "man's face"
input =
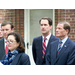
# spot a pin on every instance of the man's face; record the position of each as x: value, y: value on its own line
x: 45, y: 27
x: 6, y: 30
x: 1, y: 34
x: 61, y: 32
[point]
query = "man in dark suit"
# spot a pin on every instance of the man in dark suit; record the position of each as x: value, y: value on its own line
x: 64, y: 53
x: 37, y: 46
x: 7, y: 27
x: 1, y: 35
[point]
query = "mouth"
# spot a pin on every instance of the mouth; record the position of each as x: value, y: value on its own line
x: 57, y: 33
x: 43, y: 30
x: 9, y: 46
x: 5, y: 35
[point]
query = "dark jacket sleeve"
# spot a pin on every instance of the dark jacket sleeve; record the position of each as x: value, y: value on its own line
x: 25, y: 59
x: 34, y: 50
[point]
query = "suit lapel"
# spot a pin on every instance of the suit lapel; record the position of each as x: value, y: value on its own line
x: 54, y: 52
x: 40, y: 48
x: 2, y: 48
x: 66, y: 44
x: 16, y: 59
x: 49, y: 43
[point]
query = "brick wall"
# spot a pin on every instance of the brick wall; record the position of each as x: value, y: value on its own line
x: 16, y: 16
x: 69, y: 16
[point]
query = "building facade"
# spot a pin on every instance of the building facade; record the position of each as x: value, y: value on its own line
x: 26, y: 22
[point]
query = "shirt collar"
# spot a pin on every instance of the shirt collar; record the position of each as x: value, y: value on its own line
x: 64, y: 40
x: 5, y: 40
x: 48, y: 37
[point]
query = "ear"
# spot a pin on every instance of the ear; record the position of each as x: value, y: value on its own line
x: 67, y: 31
x: 12, y: 29
x: 51, y: 27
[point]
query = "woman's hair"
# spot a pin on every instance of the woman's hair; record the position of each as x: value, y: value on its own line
x: 18, y: 39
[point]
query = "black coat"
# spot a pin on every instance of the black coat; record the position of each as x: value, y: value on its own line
x: 37, y: 49
x: 20, y: 59
x: 2, y: 48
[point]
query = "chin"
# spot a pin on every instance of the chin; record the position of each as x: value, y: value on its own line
x: 57, y: 36
x: 10, y: 49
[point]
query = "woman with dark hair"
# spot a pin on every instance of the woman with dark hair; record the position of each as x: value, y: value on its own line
x: 16, y: 53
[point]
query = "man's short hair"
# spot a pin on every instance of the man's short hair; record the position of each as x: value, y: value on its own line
x: 7, y: 22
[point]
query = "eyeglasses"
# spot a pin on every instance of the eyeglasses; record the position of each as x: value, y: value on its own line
x: 10, y: 41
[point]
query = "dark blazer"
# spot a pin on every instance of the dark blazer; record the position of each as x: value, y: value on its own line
x: 66, y: 55
x: 2, y: 47
x: 20, y: 59
x: 37, y: 49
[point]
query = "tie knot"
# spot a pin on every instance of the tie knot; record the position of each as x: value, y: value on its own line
x: 44, y: 38
x: 60, y: 42
x: 5, y: 41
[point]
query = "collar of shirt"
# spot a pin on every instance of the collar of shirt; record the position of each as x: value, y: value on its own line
x: 5, y: 41
x: 47, y: 39
x: 64, y: 40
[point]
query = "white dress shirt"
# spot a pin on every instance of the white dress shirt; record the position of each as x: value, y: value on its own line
x: 47, y: 39
x: 5, y: 41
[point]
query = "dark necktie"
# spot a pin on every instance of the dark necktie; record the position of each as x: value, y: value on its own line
x: 59, y: 47
x: 44, y: 48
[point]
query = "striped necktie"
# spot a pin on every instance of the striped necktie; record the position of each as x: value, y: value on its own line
x: 59, y: 47
x: 44, y: 48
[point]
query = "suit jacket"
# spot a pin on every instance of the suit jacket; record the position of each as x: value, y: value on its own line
x: 37, y: 49
x: 66, y: 55
x: 2, y: 47
x: 20, y: 59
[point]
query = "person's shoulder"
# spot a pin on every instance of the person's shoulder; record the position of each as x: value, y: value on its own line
x: 24, y: 59
x: 24, y: 55
x: 54, y: 42
x: 2, y: 39
x: 71, y: 42
x: 38, y: 38
x: 54, y: 37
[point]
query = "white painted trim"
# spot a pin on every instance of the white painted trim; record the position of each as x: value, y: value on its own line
x: 26, y: 27
x: 27, y: 32
x: 53, y: 21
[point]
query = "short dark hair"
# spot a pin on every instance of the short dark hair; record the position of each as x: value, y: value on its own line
x: 66, y: 25
x: 7, y: 22
x: 47, y: 18
x: 18, y: 38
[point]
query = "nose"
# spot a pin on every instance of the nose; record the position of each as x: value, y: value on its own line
x: 4, y: 31
x: 56, y: 29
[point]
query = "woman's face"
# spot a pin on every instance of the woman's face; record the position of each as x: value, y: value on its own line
x: 11, y: 43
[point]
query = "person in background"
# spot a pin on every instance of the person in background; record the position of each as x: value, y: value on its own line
x: 1, y: 34
x: 16, y: 51
x: 61, y: 52
x: 7, y: 27
x: 41, y: 44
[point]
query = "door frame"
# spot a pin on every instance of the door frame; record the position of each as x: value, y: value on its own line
x: 27, y: 27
